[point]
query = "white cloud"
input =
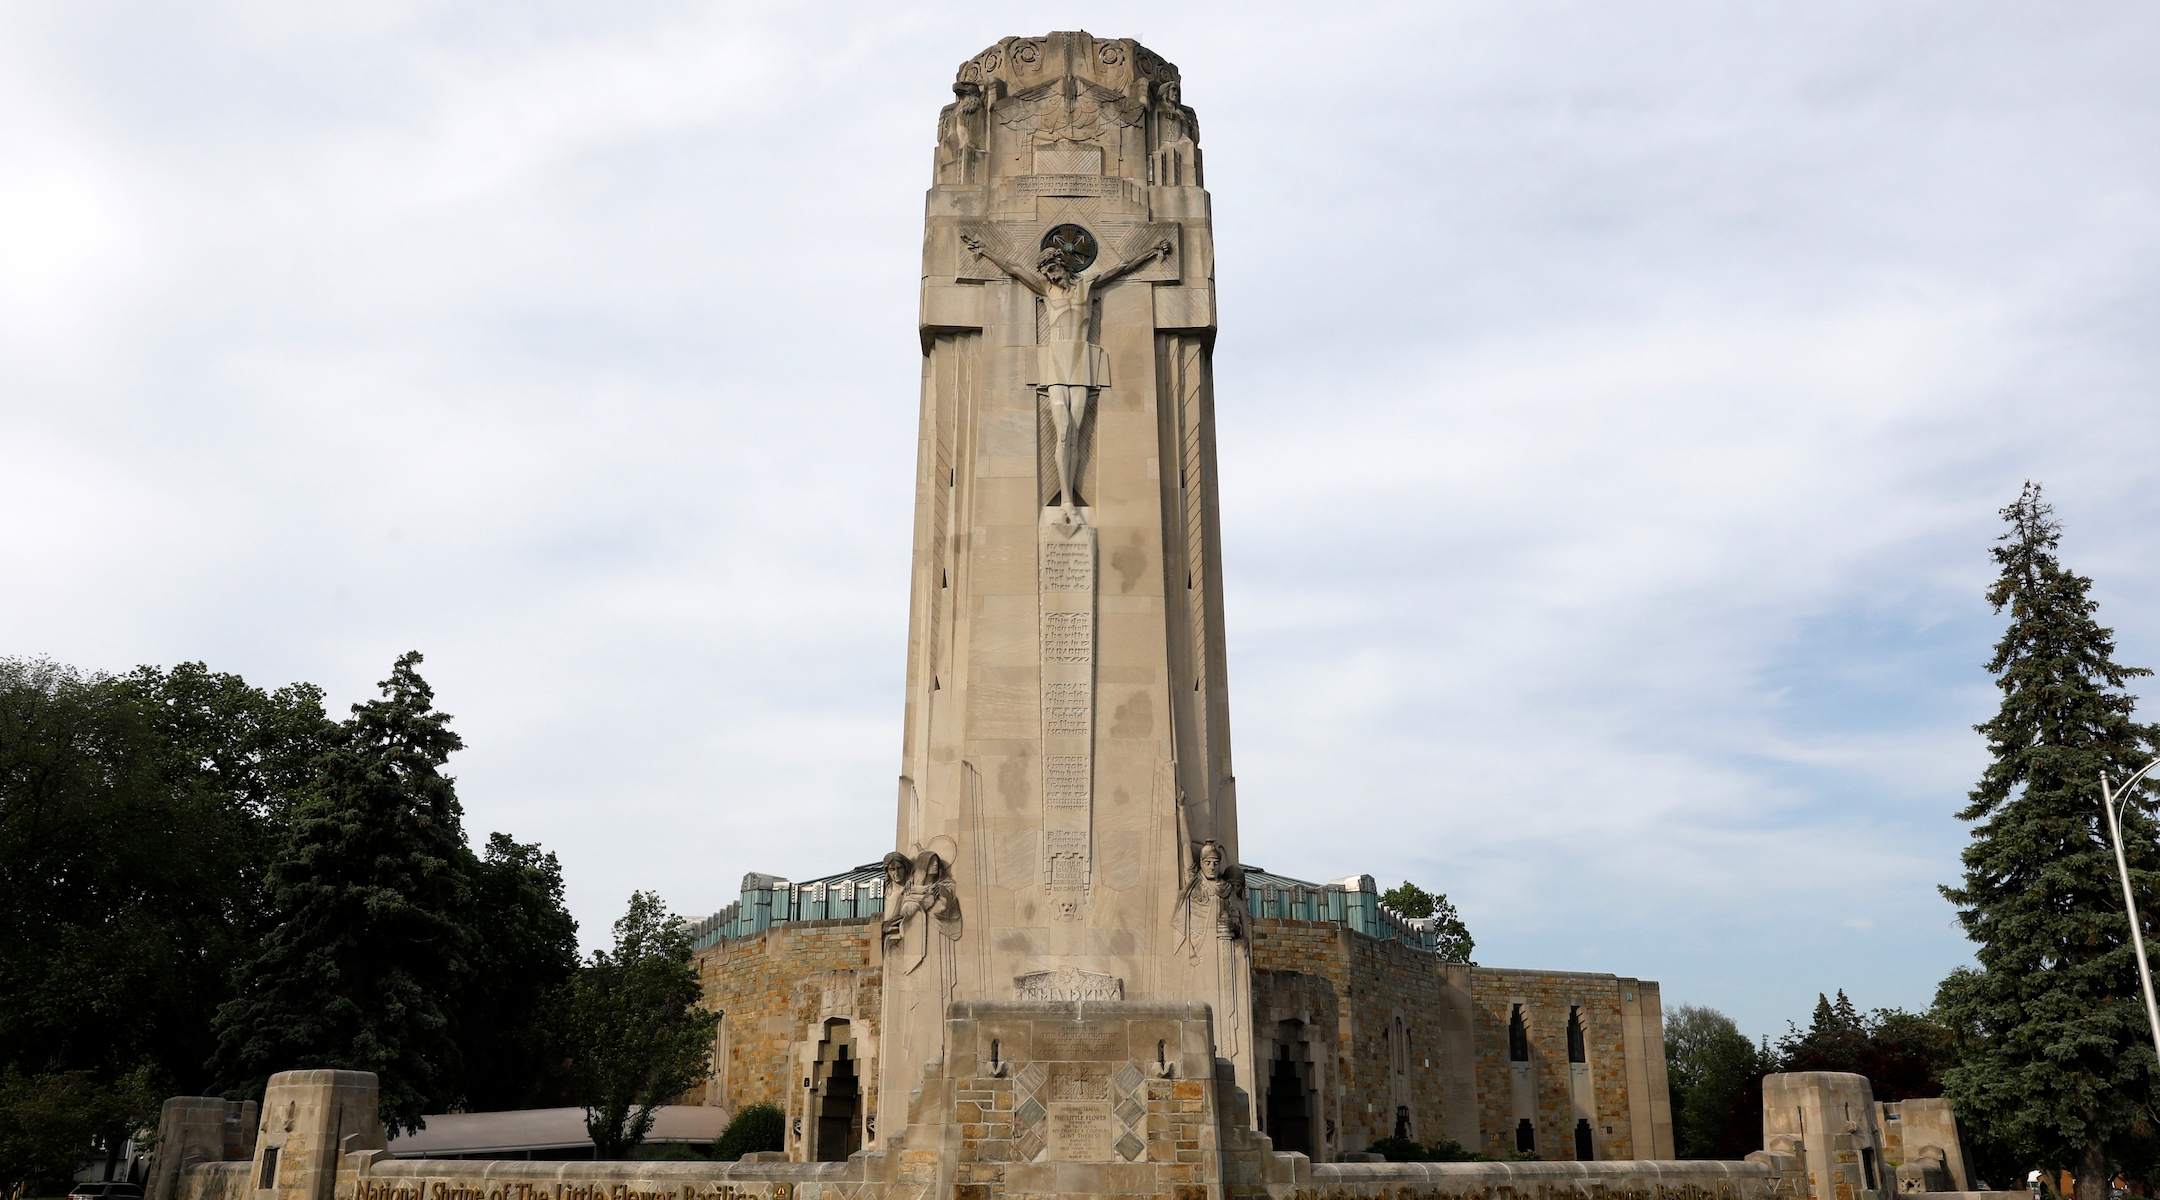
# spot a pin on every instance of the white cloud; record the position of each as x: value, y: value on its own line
x: 1614, y: 405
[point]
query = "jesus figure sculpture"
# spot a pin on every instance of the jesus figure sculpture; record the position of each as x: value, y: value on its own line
x: 1068, y: 366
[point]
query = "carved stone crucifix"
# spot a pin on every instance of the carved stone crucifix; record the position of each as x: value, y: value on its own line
x: 1068, y: 367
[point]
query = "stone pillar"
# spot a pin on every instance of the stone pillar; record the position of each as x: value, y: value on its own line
x: 1828, y: 1118
x: 309, y: 1118
x: 198, y: 1129
x: 1642, y: 1025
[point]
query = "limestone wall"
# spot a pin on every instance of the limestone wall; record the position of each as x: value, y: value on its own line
x: 1626, y: 1099
x: 1910, y: 1127
x: 372, y: 1175
x: 777, y: 993
x: 1423, y: 1047
x: 1756, y: 1179
x: 1388, y: 1036
x: 214, y: 1181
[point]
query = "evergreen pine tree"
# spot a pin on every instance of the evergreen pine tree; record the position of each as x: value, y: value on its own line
x: 371, y: 892
x: 2057, y: 1059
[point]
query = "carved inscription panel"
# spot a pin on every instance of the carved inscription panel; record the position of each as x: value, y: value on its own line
x: 1078, y: 1041
x: 1068, y: 637
x: 1067, y: 708
x: 1068, y: 566
x: 1065, y: 780
x: 1080, y: 1131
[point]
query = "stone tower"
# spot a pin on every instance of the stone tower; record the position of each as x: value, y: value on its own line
x: 1067, y: 816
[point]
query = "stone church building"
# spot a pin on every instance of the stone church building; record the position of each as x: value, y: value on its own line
x: 1365, y: 1033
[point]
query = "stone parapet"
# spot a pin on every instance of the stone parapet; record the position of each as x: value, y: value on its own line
x: 1631, y: 1180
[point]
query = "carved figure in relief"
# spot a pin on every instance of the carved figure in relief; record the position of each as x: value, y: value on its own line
x: 960, y: 134
x: 1068, y: 366
x: 1175, y: 161
x: 1214, y: 895
x: 921, y: 896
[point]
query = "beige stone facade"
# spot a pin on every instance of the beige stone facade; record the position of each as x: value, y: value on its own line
x: 1381, y: 1038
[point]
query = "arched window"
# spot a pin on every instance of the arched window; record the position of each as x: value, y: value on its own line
x: 1518, y: 1037
x: 1576, y: 1053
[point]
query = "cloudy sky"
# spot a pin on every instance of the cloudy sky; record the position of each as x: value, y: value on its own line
x: 1615, y: 404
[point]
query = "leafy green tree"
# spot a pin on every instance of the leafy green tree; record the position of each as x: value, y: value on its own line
x: 1711, y: 1067
x: 753, y: 1128
x: 1453, y: 942
x: 136, y: 816
x: 526, y: 950
x: 373, y: 891
x: 1903, y: 1054
x: 635, y: 1031
x: 2056, y: 1054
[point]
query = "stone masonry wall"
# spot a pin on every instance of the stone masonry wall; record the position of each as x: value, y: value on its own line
x: 1546, y: 998
x: 1432, y: 1038
x: 775, y: 991
x: 1387, y: 1041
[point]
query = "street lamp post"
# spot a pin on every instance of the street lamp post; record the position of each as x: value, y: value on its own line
x: 2112, y: 804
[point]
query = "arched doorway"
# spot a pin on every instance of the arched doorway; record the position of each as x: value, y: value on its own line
x: 835, y: 1097
x: 1289, y: 1111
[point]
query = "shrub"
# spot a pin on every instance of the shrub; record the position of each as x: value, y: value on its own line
x: 754, y: 1127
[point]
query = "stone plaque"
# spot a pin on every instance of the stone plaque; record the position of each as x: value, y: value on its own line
x: 1066, y: 708
x: 1080, y: 1131
x: 1068, y: 983
x: 1068, y: 637
x: 1098, y: 185
x: 1065, y: 780
x: 1079, y: 1081
x: 1066, y: 857
x: 1077, y: 1041
x: 1068, y: 566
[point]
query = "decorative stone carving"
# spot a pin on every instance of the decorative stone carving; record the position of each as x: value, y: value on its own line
x: 1068, y: 983
x: 927, y: 900
x: 1068, y: 366
x: 960, y: 135
x: 1175, y: 158
x: 1213, y: 897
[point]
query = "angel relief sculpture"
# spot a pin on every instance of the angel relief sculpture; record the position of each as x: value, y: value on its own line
x: 1068, y: 367
x: 920, y: 896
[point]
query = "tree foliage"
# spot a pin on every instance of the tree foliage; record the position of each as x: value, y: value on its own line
x: 1453, y: 942
x: 1903, y: 1054
x: 2054, y: 1055
x: 525, y: 948
x: 1715, y: 1075
x: 136, y: 814
x: 156, y: 836
x: 636, y: 1034
x: 373, y: 891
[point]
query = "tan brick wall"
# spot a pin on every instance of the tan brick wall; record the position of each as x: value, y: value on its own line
x: 1449, y: 1064
x: 1410, y: 1031
x: 775, y: 991
x: 1546, y: 997
x: 1377, y: 983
